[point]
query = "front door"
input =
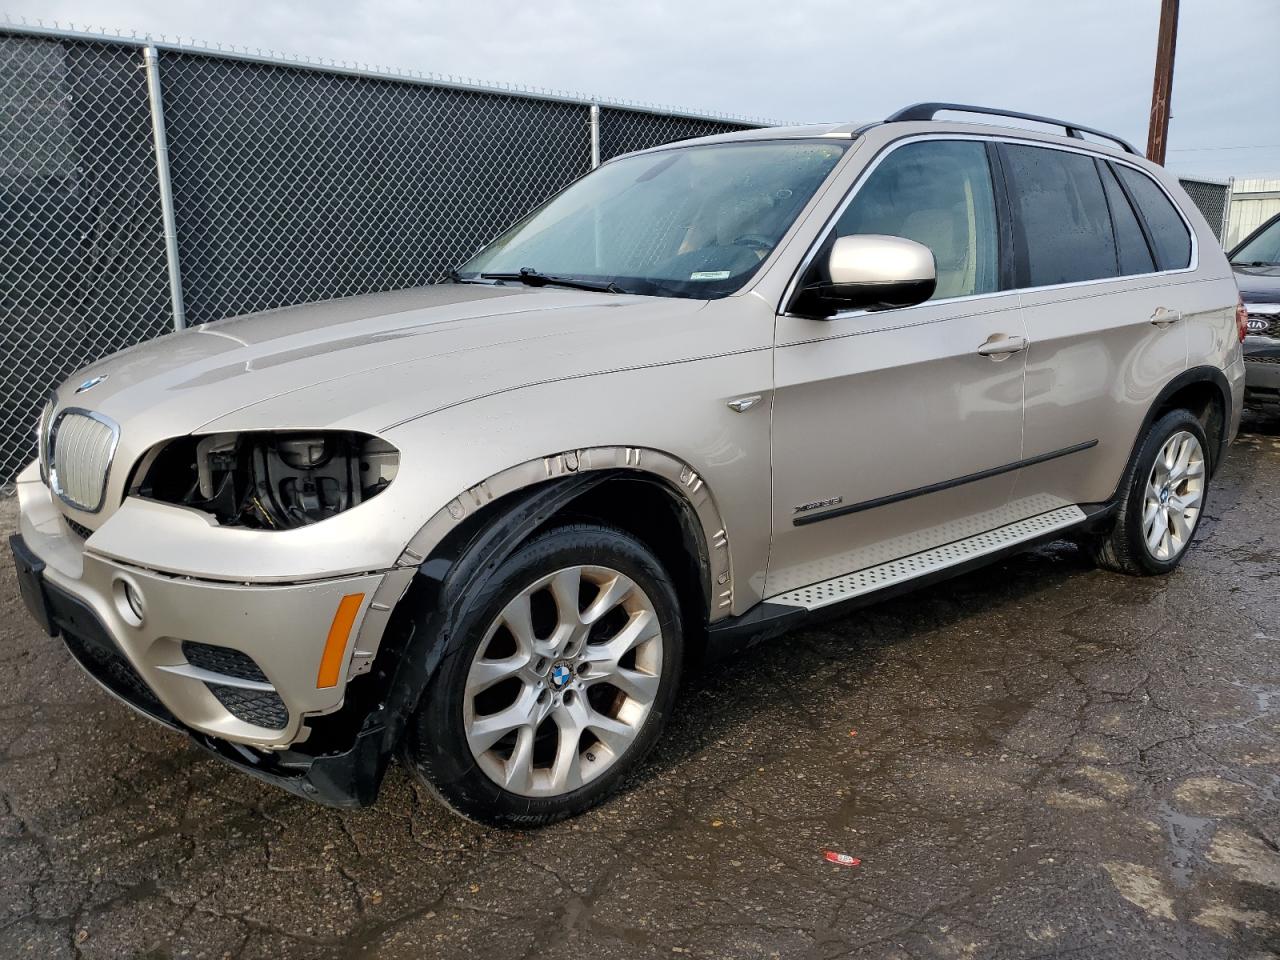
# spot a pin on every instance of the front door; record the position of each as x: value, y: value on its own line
x: 892, y: 433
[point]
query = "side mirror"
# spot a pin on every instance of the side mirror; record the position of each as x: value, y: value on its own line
x: 870, y: 272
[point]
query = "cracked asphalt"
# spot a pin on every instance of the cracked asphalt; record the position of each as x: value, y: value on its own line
x: 1037, y: 760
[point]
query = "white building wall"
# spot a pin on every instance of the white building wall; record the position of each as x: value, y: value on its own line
x: 1253, y: 203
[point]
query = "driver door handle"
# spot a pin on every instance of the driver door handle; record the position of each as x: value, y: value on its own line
x: 1163, y: 316
x: 1000, y: 345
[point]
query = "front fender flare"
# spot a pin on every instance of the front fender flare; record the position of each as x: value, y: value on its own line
x: 676, y: 475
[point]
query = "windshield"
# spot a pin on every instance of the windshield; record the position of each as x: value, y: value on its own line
x: 688, y: 222
x: 1264, y: 249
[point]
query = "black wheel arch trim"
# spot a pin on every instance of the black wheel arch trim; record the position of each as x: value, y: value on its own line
x: 417, y: 633
x: 343, y: 761
x: 1189, y: 377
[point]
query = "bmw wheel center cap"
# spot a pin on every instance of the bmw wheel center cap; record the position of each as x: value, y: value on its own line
x: 561, y: 674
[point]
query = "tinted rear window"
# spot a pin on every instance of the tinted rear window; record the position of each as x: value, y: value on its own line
x: 1060, y: 217
x: 1168, y: 233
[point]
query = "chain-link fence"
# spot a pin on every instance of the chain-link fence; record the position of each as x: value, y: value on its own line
x: 82, y: 255
x: 1214, y: 200
x: 285, y: 182
x: 622, y: 131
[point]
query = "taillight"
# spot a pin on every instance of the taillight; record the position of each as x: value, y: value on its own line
x: 1242, y: 319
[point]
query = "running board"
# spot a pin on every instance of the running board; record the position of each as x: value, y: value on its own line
x: 927, y: 562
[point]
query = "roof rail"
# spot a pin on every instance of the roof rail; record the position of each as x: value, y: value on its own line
x: 926, y: 111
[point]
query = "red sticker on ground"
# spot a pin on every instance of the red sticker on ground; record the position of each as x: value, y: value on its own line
x: 843, y: 859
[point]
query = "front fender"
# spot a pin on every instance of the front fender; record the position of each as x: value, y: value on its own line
x: 671, y: 424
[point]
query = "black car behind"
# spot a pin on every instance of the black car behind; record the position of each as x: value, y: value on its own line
x: 1256, y: 261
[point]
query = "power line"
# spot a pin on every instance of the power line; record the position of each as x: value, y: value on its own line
x: 1251, y: 146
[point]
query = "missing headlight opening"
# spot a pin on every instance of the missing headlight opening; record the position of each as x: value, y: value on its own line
x: 269, y: 481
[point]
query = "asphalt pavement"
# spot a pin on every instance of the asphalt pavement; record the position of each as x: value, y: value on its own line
x: 1040, y: 759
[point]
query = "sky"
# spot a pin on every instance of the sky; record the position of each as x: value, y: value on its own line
x: 1089, y: 61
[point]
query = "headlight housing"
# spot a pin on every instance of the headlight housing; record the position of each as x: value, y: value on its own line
x: 268, y: 481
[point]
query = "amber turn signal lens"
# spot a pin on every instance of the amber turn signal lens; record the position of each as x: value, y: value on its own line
x: 336, y: 645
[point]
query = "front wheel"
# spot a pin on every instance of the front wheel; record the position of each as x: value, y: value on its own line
x: 557, y: 679
x: 1162, y: 501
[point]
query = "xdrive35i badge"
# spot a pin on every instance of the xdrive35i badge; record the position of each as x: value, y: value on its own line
x: 91, y: 383
x: 819, y: 504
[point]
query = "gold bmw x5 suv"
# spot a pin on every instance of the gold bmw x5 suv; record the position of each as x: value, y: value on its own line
x: 707, y: 391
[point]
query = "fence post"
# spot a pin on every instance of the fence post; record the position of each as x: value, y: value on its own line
x: 1226, y: 211
x: 594, y: 124
x: 152, y: 58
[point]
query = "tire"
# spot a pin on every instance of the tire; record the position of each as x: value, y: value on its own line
x: 516, y: 623
x: 1128, y: 546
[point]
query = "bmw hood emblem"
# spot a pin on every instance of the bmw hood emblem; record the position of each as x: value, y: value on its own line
x: 91, y: 383
x: 560, y: 674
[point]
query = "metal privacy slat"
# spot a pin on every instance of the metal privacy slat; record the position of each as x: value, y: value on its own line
x: 82, y: 451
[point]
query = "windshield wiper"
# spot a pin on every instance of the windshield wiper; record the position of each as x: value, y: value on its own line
x: 1254, y: 263
x: 532, y: 278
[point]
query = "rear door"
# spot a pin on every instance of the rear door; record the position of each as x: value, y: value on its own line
x: 1102, y: 258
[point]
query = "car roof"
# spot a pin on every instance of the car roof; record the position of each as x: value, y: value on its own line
x: 922, y: 116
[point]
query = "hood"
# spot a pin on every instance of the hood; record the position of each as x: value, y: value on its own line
x: 1259, y: 284
x: 367, y: 362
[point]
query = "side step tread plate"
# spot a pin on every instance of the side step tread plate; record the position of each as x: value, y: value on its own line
x: 868, y: 580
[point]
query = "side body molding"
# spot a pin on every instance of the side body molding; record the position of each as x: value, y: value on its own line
x: 682, y: 479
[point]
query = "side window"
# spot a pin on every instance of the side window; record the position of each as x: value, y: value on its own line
x: 1061, y: 222
x: 1134, y: 254
x: 937, y: 193
x: 1169, y: 234
x: 1261, y: 248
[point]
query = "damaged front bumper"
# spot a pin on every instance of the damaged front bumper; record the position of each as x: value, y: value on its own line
x: 280, y: 679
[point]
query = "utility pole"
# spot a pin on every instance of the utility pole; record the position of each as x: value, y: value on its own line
x: 1162, y: 88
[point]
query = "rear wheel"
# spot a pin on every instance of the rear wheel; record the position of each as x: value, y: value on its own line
x: 1163, y: 499
x: 557, y: 680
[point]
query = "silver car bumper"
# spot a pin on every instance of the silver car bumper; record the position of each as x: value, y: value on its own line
x: 244, y: 662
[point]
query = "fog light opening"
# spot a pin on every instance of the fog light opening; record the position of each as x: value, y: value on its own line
x: 129, y: 602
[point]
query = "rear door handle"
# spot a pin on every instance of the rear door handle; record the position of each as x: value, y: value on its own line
x: 1000, y: 345
x: 1163, y: 316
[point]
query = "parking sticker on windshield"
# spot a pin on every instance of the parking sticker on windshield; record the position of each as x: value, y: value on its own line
x: 710, y: 275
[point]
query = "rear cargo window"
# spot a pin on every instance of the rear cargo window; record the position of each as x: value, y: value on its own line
x: 1169, y: 233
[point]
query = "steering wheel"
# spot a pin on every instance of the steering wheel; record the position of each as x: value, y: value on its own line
x: 753, y: 241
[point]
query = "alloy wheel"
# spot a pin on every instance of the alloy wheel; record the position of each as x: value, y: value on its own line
x: 563, y: 681
x: 1173, y: 496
